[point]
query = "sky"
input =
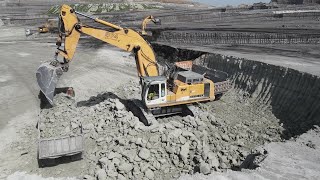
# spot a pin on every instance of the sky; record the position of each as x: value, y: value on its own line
x: 230, y: 2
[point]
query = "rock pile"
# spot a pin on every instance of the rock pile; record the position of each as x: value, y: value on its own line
x: 119, y: 146
x: 61, y: 120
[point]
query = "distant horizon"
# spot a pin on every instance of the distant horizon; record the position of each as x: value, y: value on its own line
x: 230, y: 2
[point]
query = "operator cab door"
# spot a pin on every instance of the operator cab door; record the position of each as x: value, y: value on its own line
x: 156, y: 93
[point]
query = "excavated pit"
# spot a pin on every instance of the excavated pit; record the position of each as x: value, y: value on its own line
x: 293, y: 96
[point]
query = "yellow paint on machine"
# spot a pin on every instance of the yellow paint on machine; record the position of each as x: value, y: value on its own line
x: 185, y: 91
x: 126, y: 39
x: 196, y: 90
x: 174, y: 103
x: 171, y: 97
x: 190, y: 88
x: 212, y: 90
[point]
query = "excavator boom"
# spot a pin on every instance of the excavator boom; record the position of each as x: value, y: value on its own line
x: 71, y: 28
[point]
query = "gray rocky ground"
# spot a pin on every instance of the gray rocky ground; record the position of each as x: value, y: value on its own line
x: 294, y: 159
x: 119, y: 146
x: 249, y: 120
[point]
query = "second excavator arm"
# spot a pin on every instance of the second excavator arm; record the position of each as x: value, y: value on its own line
x: 146, y: 21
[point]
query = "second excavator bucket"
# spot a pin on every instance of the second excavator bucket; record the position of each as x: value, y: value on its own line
x: 48, y: 75
x: 157, y: 21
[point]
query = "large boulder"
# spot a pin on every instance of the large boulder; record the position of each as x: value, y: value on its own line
x: 125, y: 167
x: 144, y: 154
x: 119, y: 106
x: 184, y: 152
x: 205, y: 168
x: 101, y: 174
x: 149, y: 174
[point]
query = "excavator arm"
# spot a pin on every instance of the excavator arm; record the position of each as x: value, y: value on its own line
x: 71, y: 29
x: 125, y: 39
x: 146, y: 21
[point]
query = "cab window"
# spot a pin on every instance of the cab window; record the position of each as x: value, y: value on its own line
x: 163, y: 90
x: 153, y: 92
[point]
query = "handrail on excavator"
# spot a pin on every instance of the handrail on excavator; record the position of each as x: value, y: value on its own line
x: 99, y: 21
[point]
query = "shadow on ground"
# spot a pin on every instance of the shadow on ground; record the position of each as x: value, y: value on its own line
x: 57, y: 161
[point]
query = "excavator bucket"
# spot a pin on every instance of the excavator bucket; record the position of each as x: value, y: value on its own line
x: 47, y: 77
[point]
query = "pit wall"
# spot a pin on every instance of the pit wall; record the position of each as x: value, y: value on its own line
x: 225, y: 37
x: 293, y: 96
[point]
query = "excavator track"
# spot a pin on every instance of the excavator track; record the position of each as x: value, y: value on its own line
x: 137, y: 108
x: 148, y: 117
x: 171, y: 110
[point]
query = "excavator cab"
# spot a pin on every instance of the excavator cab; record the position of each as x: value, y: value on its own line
x: 154, y: 90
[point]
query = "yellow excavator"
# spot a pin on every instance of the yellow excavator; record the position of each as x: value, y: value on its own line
x: 161, y: 94
x: 49, y: 26
x: 145, y: 21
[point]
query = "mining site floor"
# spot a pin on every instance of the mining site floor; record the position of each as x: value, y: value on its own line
x: 236, y: 124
